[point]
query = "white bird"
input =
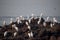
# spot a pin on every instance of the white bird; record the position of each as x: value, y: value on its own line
x: 51, y: 25
x: 4, y: 22
x: 5, y: 33
x: 32, y: 16
x: 44, y: 24
x: 40, y: 17
x: 14, y: 26
x: 29, y: 20
x: 29, y: 27
x: 21, y: 18
x: 38, y: 21
x: 47, y: 19
x: 18, y: 20
x: 30, y: 34
x: 15, y: 33
x: 41, y: 14
x: 54, y: 20
x: 11, y: 20
x: 27, y: 23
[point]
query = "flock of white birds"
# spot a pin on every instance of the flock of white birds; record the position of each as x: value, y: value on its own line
x: 30, y: 34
